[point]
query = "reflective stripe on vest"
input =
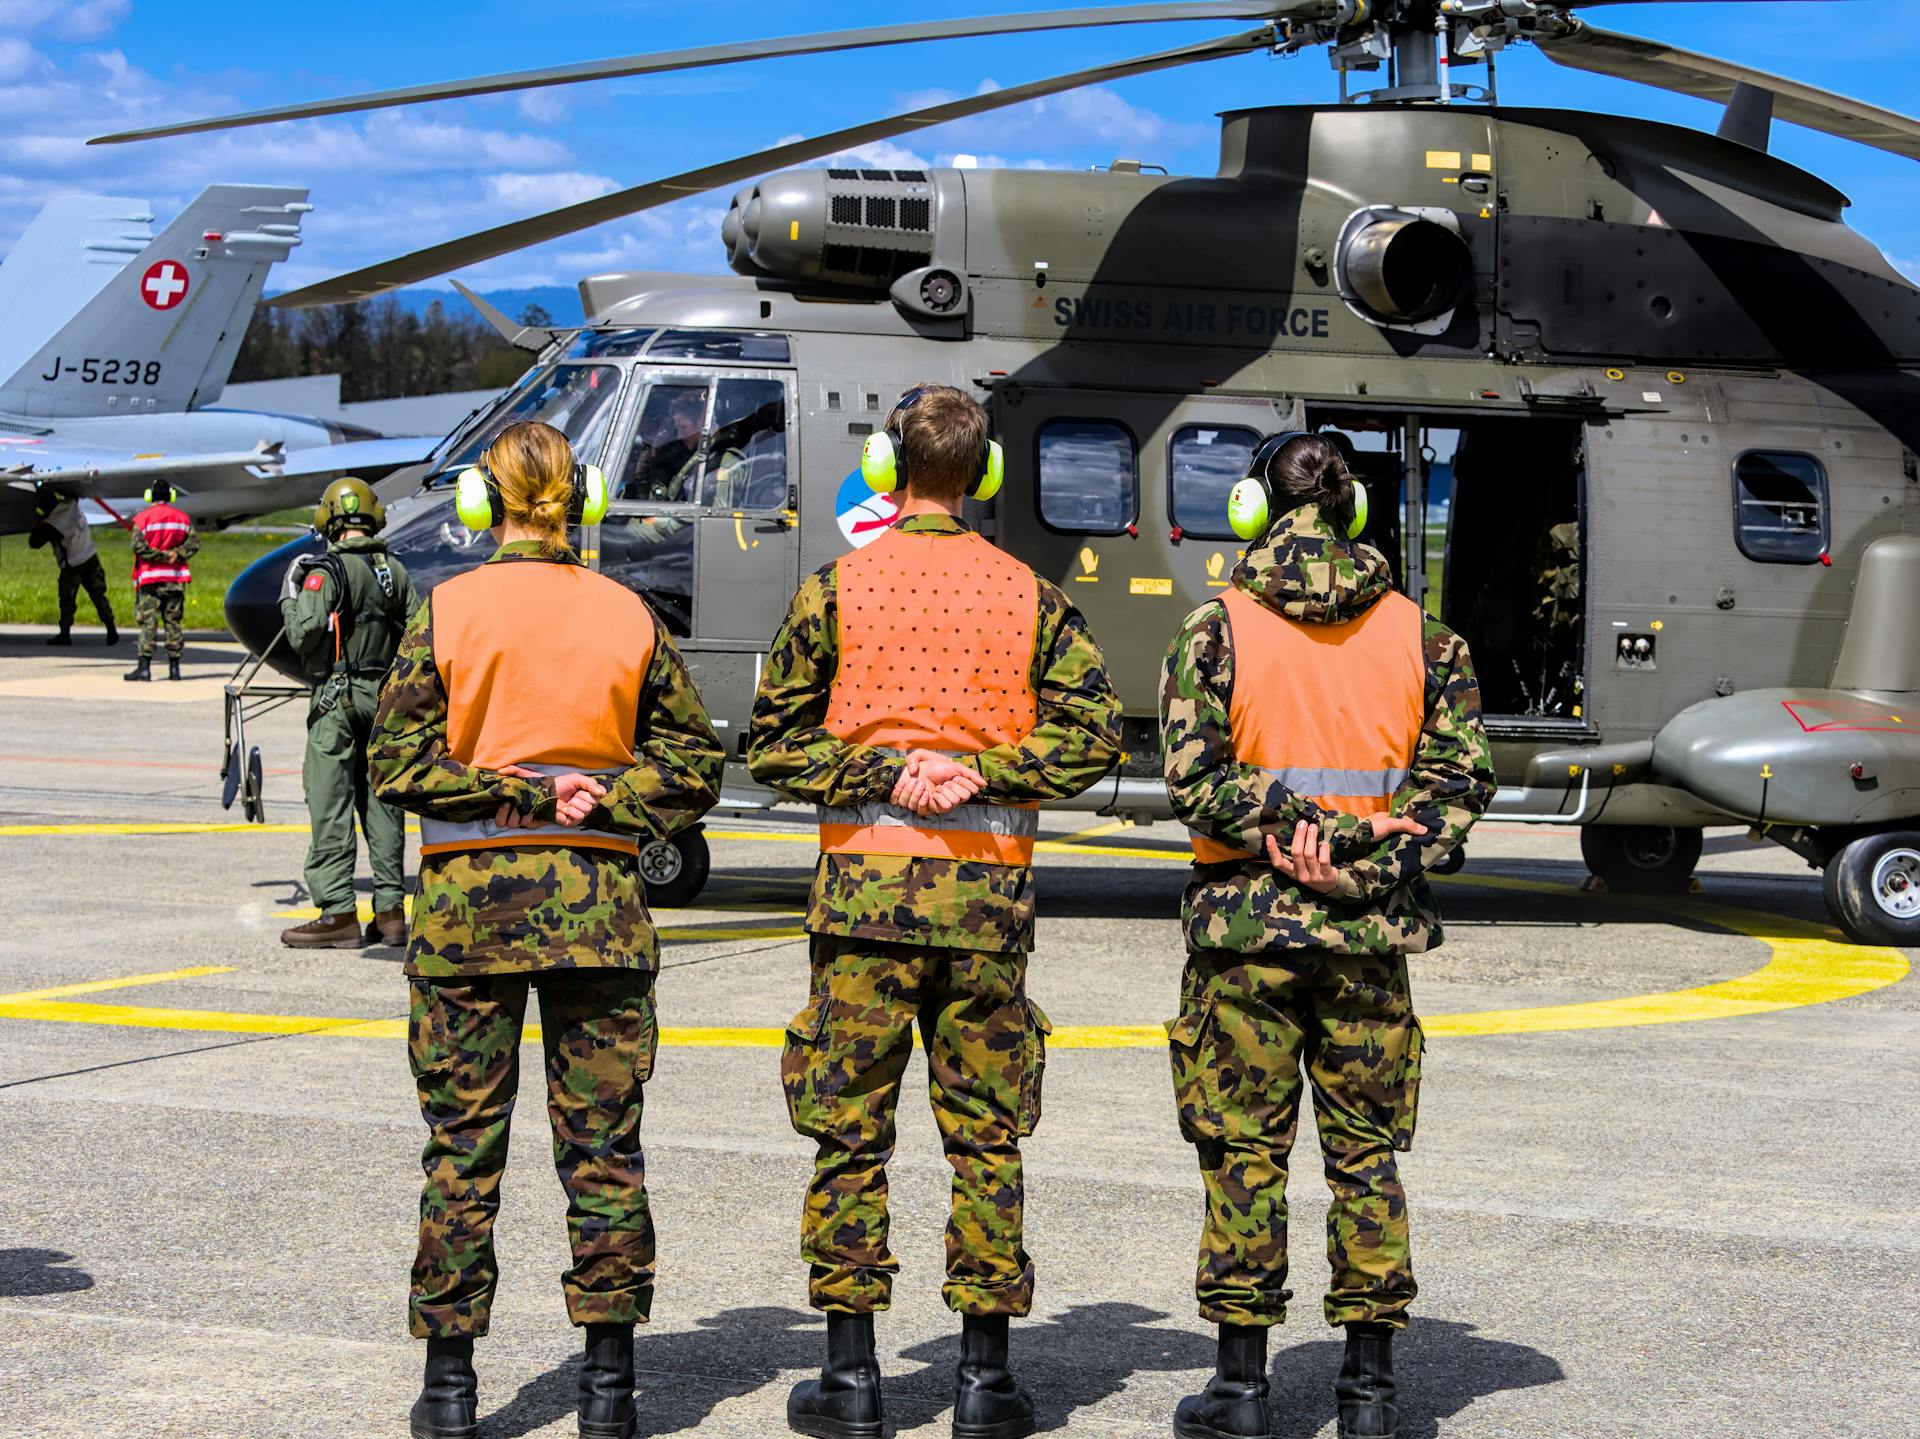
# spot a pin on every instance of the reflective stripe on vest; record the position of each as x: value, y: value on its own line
x: 936, y: 640
x: 544, y: 664
x: 442, y: 836
x: 1333, y: 712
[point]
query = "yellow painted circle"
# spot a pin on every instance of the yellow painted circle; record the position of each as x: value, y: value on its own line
x: 1674, y: 377
x: 1808, y: 964
x: 1616, y: 374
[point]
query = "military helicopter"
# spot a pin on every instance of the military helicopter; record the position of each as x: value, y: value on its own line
x: 1670, y: 399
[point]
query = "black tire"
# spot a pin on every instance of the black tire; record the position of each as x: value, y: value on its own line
x: 253, y: 794
x: 1873, y: 888
x: 1641, y: 859
x: 1455, y: 861
x: 675, y: 871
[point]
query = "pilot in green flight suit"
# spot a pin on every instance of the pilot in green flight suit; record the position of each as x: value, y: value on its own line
x: 344, y: 613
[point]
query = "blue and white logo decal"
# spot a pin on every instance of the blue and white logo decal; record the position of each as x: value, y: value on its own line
x: 863, y: 515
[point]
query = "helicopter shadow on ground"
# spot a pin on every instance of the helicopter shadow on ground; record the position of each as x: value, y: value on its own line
x: 35, y: 1273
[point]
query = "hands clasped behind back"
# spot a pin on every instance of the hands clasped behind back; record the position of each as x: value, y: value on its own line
x: 931, y: 783
x: 1309, y: 862
x: 575, y: 796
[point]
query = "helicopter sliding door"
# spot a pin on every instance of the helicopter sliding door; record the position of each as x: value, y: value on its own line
x: 1486, y: 529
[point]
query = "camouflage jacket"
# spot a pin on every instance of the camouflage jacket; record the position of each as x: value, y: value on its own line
x: 952, y: 903
x: 1383, y: 904
x: 504, y: 911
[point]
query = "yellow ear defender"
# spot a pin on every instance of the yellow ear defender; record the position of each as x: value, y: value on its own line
x: 1250, y: 503
x: 476, y: 497
x: 159, y: 492
x: 883, y: 460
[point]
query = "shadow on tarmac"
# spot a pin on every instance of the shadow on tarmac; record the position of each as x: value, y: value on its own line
x: 33, y: 1273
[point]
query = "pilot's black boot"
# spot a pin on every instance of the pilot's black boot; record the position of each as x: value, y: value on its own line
x: 844, y: 1402
x: 988, y: 1402
x: 449, y: 1402
x: 142, y: 669
x: 173, y: 667
x: 1234, y: 1403
x: 606, y: 1383
x: 113, y: 631
x: 1365, y: 1388
x: 63, y: 639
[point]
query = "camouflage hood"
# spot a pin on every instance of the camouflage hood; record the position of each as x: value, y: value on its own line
x: 1304, y: 571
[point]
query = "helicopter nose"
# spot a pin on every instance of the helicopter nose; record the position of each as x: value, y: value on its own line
x: 253, y: 604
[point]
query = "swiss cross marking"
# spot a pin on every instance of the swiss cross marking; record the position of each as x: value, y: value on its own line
x: 315, y: 580
x: 164, y: 285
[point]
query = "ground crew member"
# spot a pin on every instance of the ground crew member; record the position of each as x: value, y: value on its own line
x: 344, y: 617
x: 62, y: 526
x: 543, y: 726
x: 1323, y: 743
x: 926, y: 692
x: 163, y: 542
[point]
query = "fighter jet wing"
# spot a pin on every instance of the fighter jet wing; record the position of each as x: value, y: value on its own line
x: 210, y: 486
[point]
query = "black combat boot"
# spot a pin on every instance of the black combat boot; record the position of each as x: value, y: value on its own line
x: 449, y: 1402
x: 173, y: 667
x: 844, y: 1402
x: 63, y: 639
x: 988, y: 1402
x: 1365, y: 1389
x: 1234, y: 1403
x: 113, y: 632
x: 142, y: 669
x: 606, y: 1383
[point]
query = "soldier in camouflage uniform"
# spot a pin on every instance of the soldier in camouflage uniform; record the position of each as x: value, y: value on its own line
x: 529, y: 879
x: 164, y: 540
x: 905, y: 937
x: 1299, y: 917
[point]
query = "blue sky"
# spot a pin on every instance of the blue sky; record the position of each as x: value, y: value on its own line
x: 399, y: 179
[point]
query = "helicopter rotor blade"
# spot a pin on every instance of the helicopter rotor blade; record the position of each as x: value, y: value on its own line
x: 518, y: 234
x: 1666, y: 67
x: 729, y: 53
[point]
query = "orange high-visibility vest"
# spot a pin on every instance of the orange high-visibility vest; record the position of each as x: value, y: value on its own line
x: 936, y: 645
x: 1333, y: 712
x: 543, y: 665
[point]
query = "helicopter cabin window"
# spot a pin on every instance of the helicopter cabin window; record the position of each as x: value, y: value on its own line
x: 1089, y: 477
x: 1780, y: 507
x: 608, y: 344
x: 1204, y: 463
x: 577, y: 400
x: 720, y: 346
x: 664, y: 463
x: 746, y: 465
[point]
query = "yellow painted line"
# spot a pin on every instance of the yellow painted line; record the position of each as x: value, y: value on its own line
x: 129, y: 981
x: 1112, y: 826
x: 157, y: 827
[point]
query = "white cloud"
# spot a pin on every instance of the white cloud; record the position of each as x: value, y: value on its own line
x: 18, y: 59
x: 544, y: 107
x: 64, y: 19
x: 548, y: 191
x: 1057, y: 124
x: 1909, y: 268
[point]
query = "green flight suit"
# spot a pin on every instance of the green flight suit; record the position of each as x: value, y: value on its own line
x: 346, y: 658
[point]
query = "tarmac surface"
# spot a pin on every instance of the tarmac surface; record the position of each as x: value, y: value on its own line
x: 1665, y: 1180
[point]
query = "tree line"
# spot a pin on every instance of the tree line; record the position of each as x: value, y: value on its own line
x: 381, y: 349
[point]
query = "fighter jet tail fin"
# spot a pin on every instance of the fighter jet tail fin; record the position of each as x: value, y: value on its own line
x: 161, y: 335
x: 62, y: 260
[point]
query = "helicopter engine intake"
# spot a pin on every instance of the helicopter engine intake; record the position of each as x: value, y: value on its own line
x: 1402, y: 267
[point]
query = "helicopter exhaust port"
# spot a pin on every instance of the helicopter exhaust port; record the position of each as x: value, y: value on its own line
x: 1404, y: 269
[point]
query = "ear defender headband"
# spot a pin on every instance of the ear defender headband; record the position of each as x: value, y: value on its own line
x: 1250, y: 505
x: 883, y: 459
x: 476, y: 497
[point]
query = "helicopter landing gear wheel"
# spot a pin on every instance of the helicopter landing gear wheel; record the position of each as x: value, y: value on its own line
x: 1641, y: 859
x: 675, y: 870
x: 1873, y: 888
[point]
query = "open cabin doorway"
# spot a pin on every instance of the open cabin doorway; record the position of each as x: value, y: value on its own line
x: 1483, y: 519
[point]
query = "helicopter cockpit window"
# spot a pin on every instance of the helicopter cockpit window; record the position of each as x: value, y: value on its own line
x: 1089, y: 477
x: 715, y: 346
x: 434, y: 545
x: 747, y: 457
x: 664, y: 464
x: 1780, y: 507
x: 1204, y: 463
x: 577, y: 400
x: 608, y: 344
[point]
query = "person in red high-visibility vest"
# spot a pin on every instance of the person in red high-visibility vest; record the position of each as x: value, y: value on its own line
x: 163, y: 542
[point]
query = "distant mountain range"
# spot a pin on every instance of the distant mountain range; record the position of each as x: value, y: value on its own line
x: 561, y: 302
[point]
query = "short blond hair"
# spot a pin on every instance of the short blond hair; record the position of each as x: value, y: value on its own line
x: 532, y: 466
x: 944, y: 435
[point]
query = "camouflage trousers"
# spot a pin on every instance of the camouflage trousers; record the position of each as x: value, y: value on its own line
x: 153, y: 604
x: 1247, y: 1026
x: 842, y: 1065
x: 600, y: 1035
x: 88, y: 575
